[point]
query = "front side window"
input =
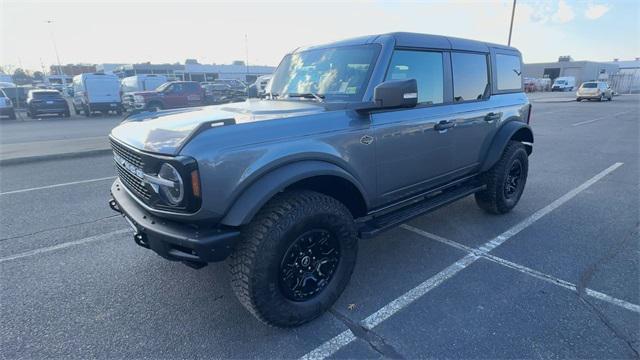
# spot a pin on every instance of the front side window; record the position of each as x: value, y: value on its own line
x: 424, y: 66
x: 339, y: 73
x: 508, y: 72
x: 470, y: 76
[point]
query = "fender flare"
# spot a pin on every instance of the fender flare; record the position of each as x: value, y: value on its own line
x: 253, y: 198
x: 510, y: 130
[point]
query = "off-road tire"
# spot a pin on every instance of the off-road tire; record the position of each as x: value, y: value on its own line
x: 493, y: 199
x: 255, y: 264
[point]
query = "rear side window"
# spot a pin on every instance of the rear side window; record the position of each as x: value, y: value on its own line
x: 424, y: 66
x: 508, y: 72
x: 192, y: 87
x: 470, y: 76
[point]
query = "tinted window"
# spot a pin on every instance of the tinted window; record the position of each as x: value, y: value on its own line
x: 425, y: 67
x: 470, y: 77
x: 192, y: 87
x: 44, y: 94
x: 508, y: 72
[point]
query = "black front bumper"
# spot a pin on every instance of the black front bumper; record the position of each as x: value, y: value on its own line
x: 171, y: 239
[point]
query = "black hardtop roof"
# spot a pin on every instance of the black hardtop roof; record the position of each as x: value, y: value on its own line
x: 417, y: 40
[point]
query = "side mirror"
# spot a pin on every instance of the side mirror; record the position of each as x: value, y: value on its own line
x: 396, y: 93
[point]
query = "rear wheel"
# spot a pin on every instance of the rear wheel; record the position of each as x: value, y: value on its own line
x: 505, y: 181
x: 579, y: 99
x: 87, y: 110
x: 295, y: 258
x: 601, y: 98
x: 12, y: 114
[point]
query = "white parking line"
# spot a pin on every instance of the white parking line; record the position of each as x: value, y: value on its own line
x: 331, y: 346
x: 523, y: 269
x: 65, y: 245
x: 600, y: 118
x: 57, y: 185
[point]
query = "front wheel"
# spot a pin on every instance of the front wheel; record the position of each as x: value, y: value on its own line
x: 295, y: 258
x: 505, y: 181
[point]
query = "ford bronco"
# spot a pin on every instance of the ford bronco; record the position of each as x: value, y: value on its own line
x: 354, y: 138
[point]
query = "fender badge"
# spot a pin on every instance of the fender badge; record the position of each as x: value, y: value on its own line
x: 366, y: 140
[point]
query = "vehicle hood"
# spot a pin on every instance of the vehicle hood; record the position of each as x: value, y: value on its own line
x: 165, y: 132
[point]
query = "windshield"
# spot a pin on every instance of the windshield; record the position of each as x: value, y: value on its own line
x: 560, y: 82
x: 338, y: 73
x: 163, y: 86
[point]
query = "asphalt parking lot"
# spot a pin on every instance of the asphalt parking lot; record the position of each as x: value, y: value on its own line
x: 555, y: 278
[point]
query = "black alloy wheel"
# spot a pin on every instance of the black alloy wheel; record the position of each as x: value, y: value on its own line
x: 308, y: 265
x: 512, y: 180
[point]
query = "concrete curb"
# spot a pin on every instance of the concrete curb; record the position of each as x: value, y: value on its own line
x: 552, y: 100
x: 69, y: 155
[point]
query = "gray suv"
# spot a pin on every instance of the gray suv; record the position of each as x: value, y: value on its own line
x: 354, y: 138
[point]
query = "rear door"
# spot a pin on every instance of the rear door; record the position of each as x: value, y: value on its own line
x: 475, y: 117
x: 102, y: 89
x: 194, y: 93
x: 411, y: 153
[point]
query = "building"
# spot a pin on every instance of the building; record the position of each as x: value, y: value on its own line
x: 72, y: 69
x: 627, y: 80
x: 193, y: 71
x: 566, y: 66
x: 107, y: 68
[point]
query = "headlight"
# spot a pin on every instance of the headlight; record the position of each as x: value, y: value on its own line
x: 173, y: 189
x: 138, y: 98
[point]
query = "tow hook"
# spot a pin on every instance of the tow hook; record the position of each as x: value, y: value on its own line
x: 114, y: 206
x: 141, y: 240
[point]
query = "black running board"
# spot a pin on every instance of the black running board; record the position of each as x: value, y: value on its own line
x: 379, y: 224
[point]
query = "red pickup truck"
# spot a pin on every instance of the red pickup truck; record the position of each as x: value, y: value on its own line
x: 170, y: 95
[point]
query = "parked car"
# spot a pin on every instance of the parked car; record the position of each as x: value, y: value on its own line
x: 358, y: 137
x: 594, y: 90
x: 170, y: 95
x: 564, y: 83
x: 132, y: 84
x: 222, y: 93
x: 96, y: 92
x: 233, y: 83
x: 17, y: 94
x: 41, y: 102
x: 6, y: 106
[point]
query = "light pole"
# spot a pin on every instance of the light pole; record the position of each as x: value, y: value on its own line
x: 513, y: 12
x: 55, y: 48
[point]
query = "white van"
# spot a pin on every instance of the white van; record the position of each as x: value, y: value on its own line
x: 564, y: 83
x: 96, y: 92
x: 142, y: 83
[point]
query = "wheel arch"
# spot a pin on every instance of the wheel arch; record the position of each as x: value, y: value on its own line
x: 511, y: 130
x: 320, y: 176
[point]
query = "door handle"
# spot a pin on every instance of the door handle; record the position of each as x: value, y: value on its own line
x: 444, y: 125
x: 492, y: 116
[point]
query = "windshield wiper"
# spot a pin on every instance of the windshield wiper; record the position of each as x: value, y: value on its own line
x: 310, y: 95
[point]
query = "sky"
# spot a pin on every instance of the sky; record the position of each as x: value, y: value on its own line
x: 163, y: 31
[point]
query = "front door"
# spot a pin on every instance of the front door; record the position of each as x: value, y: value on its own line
x: 414, y: 146
x: 174, y: 97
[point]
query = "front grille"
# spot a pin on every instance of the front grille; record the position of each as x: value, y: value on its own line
x: 127, y: 154
x: 131, y: 181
